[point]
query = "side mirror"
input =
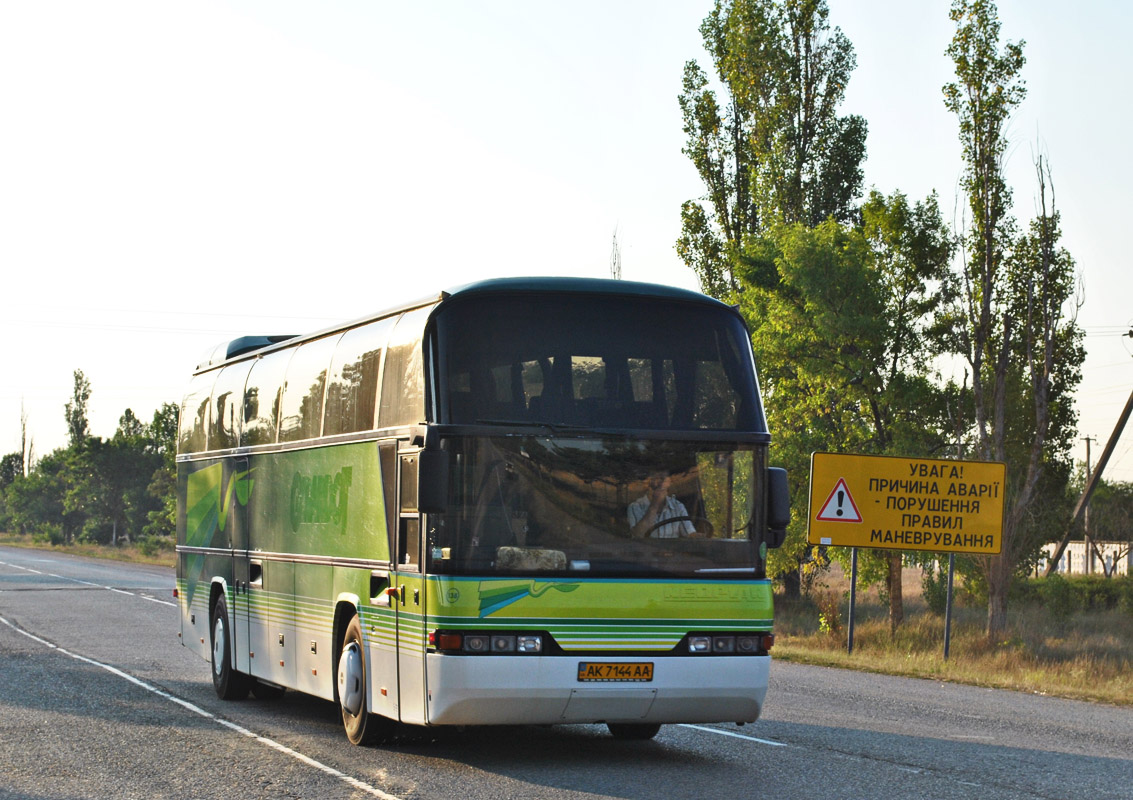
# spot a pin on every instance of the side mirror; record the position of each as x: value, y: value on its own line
x: 432, y: 484
x: 778, y: 506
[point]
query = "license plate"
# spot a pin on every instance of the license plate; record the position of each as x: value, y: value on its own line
x: 605, y: 671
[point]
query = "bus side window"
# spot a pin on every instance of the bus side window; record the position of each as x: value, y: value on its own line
x: 301, y: 410
x: 261, y: 398
x: 227, y: 402
x: 352, y: 386
x: 192, y: 430
x: 403, y: 378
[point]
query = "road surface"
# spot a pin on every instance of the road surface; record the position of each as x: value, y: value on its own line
x: 99, y: 700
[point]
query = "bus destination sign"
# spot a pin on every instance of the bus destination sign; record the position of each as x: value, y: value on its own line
x: 906, y: 503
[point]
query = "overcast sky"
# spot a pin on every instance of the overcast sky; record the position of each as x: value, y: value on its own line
x: 176, y: 174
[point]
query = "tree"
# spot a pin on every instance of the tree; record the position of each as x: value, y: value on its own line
x: 78, y: 426
x: 162, y: 489
x: 843, y: 346
x: 109, y: 480
x: 27, y: 443
x: 36, y: 503
x: 11, y: 470
x: 777, y: 152
x: 1011, y: 323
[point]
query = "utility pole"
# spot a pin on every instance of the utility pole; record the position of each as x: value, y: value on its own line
x: 1086, y: 511
x: 1091, y: 484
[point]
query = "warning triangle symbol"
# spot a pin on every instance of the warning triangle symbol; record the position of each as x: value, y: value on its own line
x: 840, y: 505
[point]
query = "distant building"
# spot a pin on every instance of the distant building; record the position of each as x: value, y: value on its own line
x: 1073, y: 561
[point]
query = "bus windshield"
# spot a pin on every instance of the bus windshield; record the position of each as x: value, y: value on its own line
x: 596, y: 361
x: 603, y: 507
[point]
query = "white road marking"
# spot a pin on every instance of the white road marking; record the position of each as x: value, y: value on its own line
x: 88, y: 583
x: 736, y: 735
x: 351, y: 781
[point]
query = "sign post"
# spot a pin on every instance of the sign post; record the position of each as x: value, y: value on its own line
x: 853, y: 599
x: 897, y: 503
x: 948, y: 605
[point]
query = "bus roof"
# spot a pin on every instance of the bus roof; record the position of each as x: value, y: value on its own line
x: 246, y: 346
x: 581, y: 286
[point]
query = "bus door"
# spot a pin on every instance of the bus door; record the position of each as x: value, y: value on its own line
x: 241, y: 573
x: 410, y: 598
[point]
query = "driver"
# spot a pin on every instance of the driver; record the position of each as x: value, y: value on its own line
x: 656, y: 506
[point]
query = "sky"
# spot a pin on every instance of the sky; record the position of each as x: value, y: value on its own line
x: 173, y: 175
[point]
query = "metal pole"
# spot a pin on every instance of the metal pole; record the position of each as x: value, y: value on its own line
x: 948, y: 606
x: 853, y: 596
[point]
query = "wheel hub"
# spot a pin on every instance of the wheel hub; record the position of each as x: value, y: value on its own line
x: 351, y: 692
x: 219, y: 647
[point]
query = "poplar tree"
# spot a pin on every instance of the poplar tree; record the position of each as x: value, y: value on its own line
x: 773, y: 150
x: 1014, y: 323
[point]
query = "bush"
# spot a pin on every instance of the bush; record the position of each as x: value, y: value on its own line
x: 934, y: 588
x: 1062, y: 596
x: 150, y: 546
x: 1058, y: 597
x: 829, y: 606
x: 1125, y: 594
x: 1098, y: 593
x: 48, y: 533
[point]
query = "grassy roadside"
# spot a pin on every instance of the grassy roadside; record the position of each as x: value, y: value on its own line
x: 162, y: 556
x: 1083, y: 655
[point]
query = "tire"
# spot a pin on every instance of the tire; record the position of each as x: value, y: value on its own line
x: 229, y: 684
x: 362, y: 726
x: 633, y: 730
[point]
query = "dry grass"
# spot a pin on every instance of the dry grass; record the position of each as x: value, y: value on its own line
x: 160, y: 555
x: 1087, y: 656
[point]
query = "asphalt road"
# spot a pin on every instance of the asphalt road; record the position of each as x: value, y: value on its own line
x: 99, y: 700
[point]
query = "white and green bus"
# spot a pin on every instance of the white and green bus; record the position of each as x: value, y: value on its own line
x: 523, y: 501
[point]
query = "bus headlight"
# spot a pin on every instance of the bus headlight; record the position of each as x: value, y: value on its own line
x: 729, y: 644
x: 529, y: 644
x: 700, y: 644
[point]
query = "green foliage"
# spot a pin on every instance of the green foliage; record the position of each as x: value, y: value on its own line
x: 98, y: 490
x: 934, y: 588
x: 1062, y: 596
x: 987, y: 91
x: 829, y: 605
x: 150, y: 546
x: 1013, y: 320
x: 841, y: 340
x: 775, y: 150
x: 78, y: 425
x: 1058, y: 597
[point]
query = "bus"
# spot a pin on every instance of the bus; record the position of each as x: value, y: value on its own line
x: 523, y: 501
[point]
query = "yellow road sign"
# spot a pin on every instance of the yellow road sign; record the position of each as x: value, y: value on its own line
x: 906, y: 503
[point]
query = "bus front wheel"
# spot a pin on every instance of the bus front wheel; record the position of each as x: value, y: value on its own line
x: 362, y: 726
x: 228, y: 683
x: 632, y: 730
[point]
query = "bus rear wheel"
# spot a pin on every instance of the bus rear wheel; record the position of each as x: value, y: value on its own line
x: 362, y: 726
x: 633, y: 730
x: 228, y: 683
